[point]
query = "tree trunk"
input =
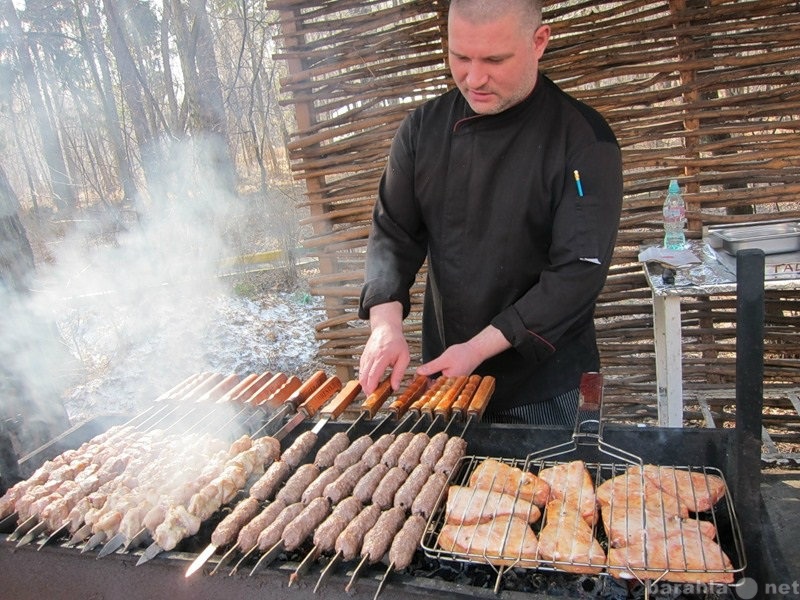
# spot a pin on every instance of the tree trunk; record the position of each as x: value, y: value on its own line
x: 63, y: 194
x: 132, y: 93
x: 203, y: 88
x: 102, y: 83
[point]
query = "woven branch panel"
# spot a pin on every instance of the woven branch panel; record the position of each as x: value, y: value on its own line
x: 705, y: 91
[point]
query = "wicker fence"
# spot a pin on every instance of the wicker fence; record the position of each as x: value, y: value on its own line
x: 705, y: 91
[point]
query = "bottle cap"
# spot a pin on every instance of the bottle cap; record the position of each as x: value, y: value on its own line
x: 674, y: 188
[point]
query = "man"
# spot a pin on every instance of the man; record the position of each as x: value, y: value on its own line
x: 512, y: 190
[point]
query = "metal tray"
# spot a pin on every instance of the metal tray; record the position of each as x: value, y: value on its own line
x: 773, y: 237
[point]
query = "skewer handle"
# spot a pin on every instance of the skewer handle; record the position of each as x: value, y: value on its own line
x: 237, y: 389
x: 414, y: 390
x: 417, y: 406
x: 376, y: 399
x: 176, y: 391
x: 449, y: 398
x: 345, y: 397
x: 480, y: 399
x: 220, y: 389
x: 459, y: 406
x: 321, y: 395
x: 279, y: 393
x: 302, y: 393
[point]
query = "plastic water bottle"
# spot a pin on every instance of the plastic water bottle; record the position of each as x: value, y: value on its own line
x: 674, y: 218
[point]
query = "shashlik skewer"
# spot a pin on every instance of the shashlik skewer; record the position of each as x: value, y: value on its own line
x: 307, y: 474
x: 403, y: 547
x: 293, y: 455
x: 378, y: 540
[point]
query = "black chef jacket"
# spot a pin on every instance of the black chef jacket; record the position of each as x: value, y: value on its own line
x: 492, y: 202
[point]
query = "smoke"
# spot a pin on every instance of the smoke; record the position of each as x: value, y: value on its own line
x: 100, y: 311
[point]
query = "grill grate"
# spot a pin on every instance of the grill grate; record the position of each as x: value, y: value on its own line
x: 501, y: 560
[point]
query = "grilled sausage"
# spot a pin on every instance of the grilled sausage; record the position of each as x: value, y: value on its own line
x: 387, y: 488
x: 349, y: 541
x: 272, y: 533
x: 297, y: 484
x: 425, y: 501
x: 268, y: 483
x: 393, y: 452
x: 412, y: 486
x: 334, y: 446
x: 248, y: 536
x: 304, y: 524
x: 353, y: 453
x: 299, y: 449
x: 230, y: 526
x: 406, y: 541
x: 410, y: 456
x: 454, y: 449
x: 344, y: 484
x: 434, y: 450
x: 379, y: 538
x: 375, y: 452
x: 317, y: 487
x: 343, y: 513
x: 367, y: 485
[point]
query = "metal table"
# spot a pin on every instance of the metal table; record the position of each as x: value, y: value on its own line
x: 707, y: 278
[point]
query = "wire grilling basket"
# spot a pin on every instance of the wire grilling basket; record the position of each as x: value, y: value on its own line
x: 554, y: 512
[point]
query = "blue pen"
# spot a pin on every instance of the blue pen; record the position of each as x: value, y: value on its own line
x: 578, y: 182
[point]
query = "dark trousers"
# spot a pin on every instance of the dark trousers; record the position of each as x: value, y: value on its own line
x: 559, y: 410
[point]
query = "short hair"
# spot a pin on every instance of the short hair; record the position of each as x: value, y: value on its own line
x: 482, y: 11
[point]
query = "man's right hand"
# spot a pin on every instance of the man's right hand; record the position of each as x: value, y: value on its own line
x: 386, y: 347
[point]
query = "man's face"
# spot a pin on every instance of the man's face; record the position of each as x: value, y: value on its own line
x: 495, y: 64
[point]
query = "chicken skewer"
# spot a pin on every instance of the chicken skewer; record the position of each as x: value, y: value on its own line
x: 309, y: 407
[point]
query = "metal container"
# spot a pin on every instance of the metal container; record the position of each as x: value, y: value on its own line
x: 772, y: 237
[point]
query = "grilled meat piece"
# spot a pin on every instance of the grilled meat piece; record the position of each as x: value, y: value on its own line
x: 367, y: 485
x: 683, y: 556
x: 374, y: 454
x: 230, y: 526
x: 299, y: 449
x: 178, y: 524
x: 344, y: 484
x: 498, y: 476
x: 454, y: 450
x: 425, y: 502
x: 353, y: 453
x: 343, y: 513
x: 316, y: 488
x: 568, y: 540
x: 393, y: 452
x: 248, y: 536
x: 293, y: 490
x: 572, y: 482
x: 379, y: 538
x: 387, y: 488
x: 272, y: 533
x: 434, y: 450
x: 350, y: 540
x: 334, y: 446
x: 469, y: 506
x: 405, y: 543
x: 304, y: 524
x: 412, y: 486
x: 504, y: 540
x: 697, y: 490
x: 268, y: 483
x: 411, y: 455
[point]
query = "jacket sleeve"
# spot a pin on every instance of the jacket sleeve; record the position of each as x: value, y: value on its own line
x: 584, y: 233
x: 398, y: 241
